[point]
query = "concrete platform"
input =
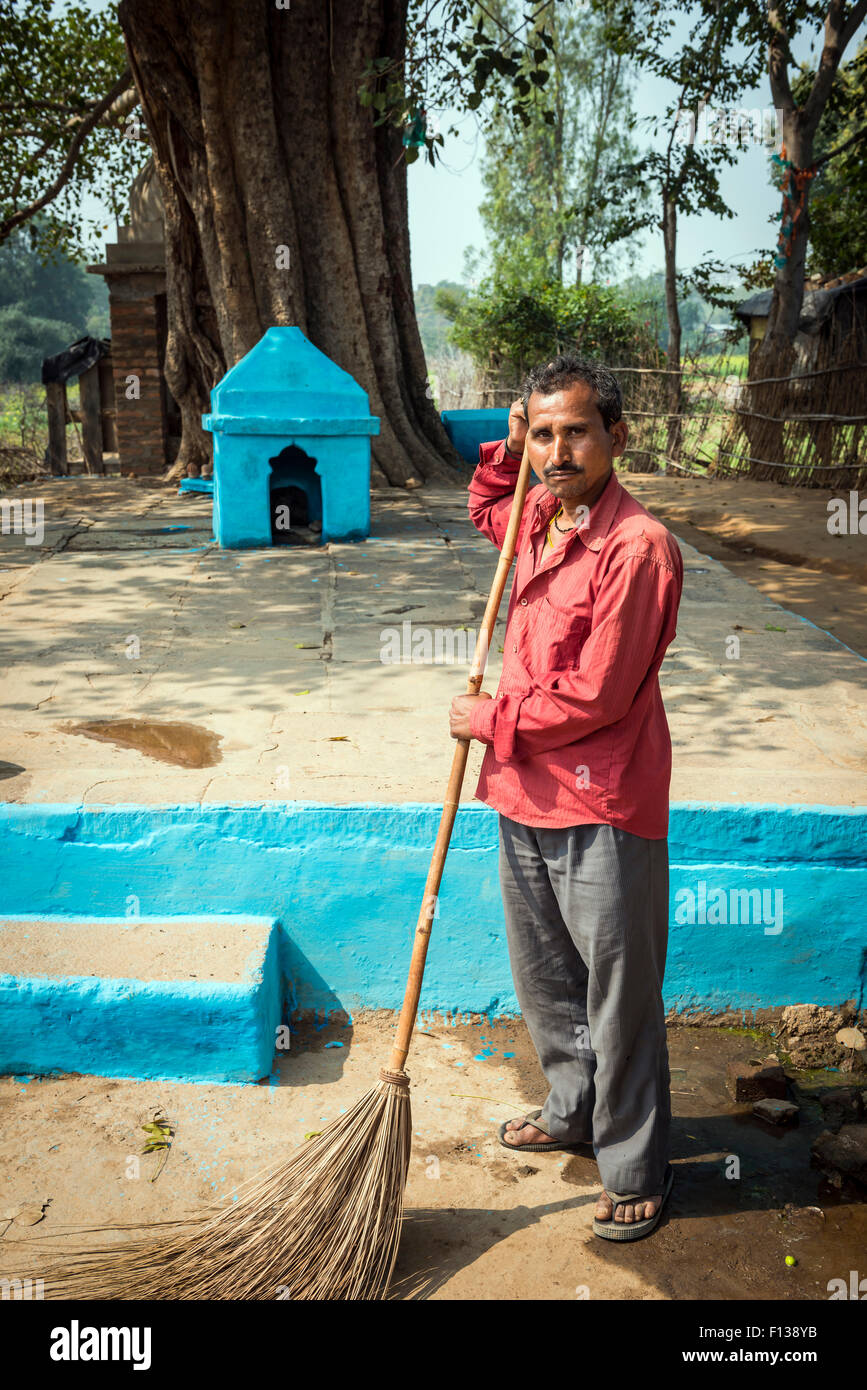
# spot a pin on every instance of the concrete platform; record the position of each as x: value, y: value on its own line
x: 137, y: 996
x: 148, y: 669
x: 766, y: 902
x: 278, y: 654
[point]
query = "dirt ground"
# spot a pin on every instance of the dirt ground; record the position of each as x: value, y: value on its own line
x: 774, y: 537
x: 481, y: 1222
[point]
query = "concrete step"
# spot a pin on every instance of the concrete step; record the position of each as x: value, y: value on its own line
x: 183, y: 998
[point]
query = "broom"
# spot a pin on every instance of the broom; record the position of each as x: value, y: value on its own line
x: 325, y: 1224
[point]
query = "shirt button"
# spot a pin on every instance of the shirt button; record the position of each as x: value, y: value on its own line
x: 514, y: 646
x: 524, y: 601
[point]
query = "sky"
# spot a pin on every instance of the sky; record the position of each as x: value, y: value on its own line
x: 444, y: 201
x: 444, y: 217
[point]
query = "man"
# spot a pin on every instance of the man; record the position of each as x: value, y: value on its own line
x: 578, y: 765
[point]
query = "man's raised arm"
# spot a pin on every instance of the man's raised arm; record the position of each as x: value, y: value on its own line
x: 493, y: 483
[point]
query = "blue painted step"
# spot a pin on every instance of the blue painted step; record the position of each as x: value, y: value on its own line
x: 181, y: 998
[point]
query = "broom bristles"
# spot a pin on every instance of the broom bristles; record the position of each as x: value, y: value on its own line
x: 324, y: 1225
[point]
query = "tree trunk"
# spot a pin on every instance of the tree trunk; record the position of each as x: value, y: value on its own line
x: 673, y: 380
x: 775, y: 355
x: 609, y: 77
x: 789, y: 277
x: 559, y: 171
x: 284, y: 204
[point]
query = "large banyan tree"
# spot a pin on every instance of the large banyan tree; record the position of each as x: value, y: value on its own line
x: 279, y: 133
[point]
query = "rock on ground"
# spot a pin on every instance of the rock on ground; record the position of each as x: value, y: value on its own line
x: 842, y: 1156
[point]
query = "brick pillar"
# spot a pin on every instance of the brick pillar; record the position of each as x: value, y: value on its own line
x: 137, y: 355
x: 148, y: 426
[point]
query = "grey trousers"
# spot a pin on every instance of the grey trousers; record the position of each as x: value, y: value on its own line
x: 587, y: 927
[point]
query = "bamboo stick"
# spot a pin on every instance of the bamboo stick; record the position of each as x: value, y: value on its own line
x: 408, y: 1012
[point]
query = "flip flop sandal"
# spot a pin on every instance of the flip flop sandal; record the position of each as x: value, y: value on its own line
x: 556, y: 1146
x: 633, y: 1230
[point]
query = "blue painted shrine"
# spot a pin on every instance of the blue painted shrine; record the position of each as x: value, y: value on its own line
x: 291, y: 445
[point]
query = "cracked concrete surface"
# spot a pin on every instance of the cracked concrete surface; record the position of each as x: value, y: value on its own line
x: 129, y: 610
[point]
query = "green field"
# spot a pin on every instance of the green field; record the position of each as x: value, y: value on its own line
x: 24, y: 431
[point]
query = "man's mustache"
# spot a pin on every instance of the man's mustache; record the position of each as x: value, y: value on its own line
x: 561, y: 468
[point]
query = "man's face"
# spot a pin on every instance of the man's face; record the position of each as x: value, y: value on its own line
x: 569, y: 446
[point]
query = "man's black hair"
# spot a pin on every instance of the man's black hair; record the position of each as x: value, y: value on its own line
x: 567, y: 369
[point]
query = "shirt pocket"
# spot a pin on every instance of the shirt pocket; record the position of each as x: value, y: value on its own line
x: 560, y: 636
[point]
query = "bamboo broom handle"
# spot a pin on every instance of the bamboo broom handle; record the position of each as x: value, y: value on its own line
x: 406, y: 1022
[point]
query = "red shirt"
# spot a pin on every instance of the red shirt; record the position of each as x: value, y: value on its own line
x: 577, y: 731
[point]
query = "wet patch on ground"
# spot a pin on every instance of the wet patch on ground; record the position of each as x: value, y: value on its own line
x: 183, y: 745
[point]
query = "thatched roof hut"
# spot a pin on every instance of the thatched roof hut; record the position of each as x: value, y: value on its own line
x: 832, y: 308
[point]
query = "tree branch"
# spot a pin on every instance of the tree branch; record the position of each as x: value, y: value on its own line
x: 832, y: 154
x: 65, y: 108
x: 779, y: 57
x: 838, y: 31
x: 859, y: 11
x: 67, y: 168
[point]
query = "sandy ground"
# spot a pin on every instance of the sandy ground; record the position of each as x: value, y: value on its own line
x: 481, y: 1222
x: 774, y: 537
